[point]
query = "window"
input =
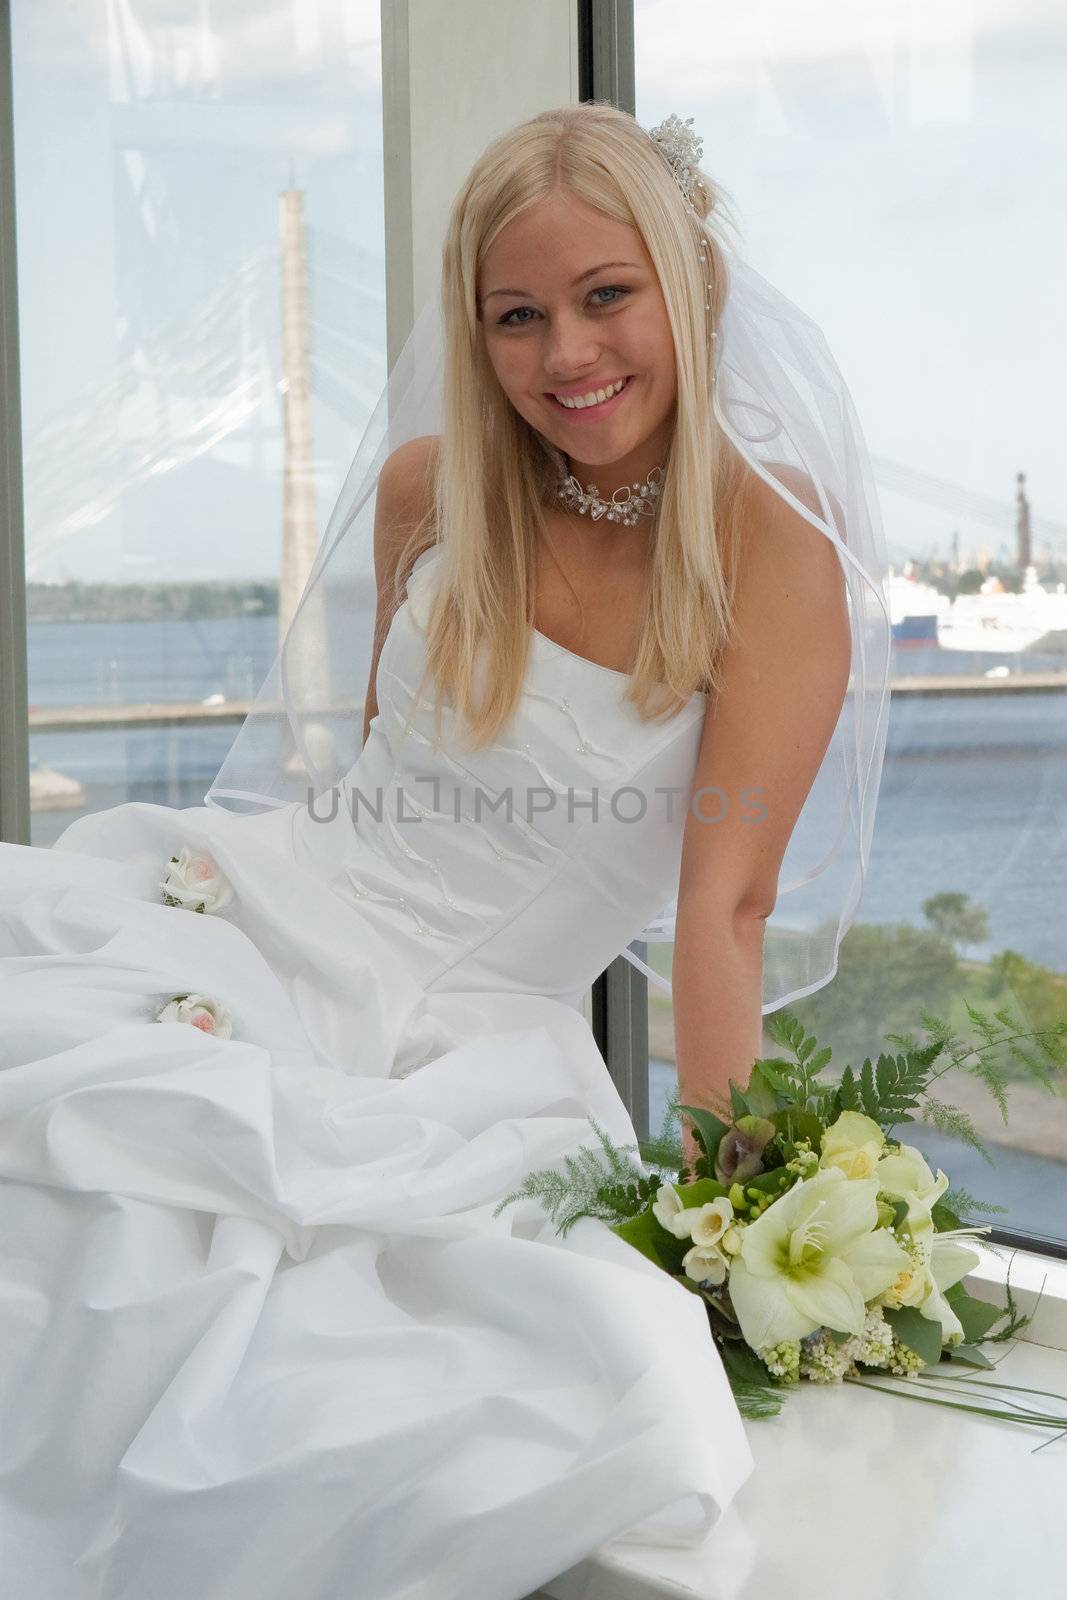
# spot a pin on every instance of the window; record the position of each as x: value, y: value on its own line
x: 893, y: 170
x: 202, y: 325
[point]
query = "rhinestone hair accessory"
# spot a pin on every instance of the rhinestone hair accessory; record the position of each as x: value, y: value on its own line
x: 682, y: 150
x: 625, y: 505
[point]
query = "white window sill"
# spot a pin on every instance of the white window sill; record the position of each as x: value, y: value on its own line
x: 859, y: 1492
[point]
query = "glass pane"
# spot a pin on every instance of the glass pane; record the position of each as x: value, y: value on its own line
x: 182, y: 175
x: 895, y: 172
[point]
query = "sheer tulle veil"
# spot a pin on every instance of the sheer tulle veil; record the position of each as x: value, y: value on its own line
x: 782, y: 401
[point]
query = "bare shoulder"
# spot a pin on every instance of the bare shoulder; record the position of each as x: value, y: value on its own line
x: 780, y: 550
x: 405, y: 501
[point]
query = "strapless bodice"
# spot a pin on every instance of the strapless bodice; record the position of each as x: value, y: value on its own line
x: 527, y: 865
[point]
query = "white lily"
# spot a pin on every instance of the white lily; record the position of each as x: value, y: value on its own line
x: 949, y: 1262
x: 812, y: 1260
x: 854, y: 1143
x: 905, y: 1176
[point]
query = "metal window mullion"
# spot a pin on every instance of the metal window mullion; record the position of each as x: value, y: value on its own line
x: 14, y: 717
x: 619, y: 999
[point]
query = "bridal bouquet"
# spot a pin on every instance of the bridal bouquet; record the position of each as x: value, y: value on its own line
x: 822, y: 1246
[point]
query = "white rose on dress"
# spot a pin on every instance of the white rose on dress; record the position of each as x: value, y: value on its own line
x: 193, y: 880
x: 200, y: 1011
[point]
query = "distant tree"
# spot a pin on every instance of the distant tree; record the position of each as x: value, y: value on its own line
x: 885, y: 972
x: 1035, y: 993
x: 952, y: 915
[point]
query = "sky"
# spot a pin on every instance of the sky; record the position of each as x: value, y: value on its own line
x: 898, y: 170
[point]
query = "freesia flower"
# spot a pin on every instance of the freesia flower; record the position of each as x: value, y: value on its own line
x: 906, y: 1176
x: 854, y: 1143
x: 707, y: 1261
x: 201, y: 1011
x: 812, y: 1260
x: 670, y: 1211
x: 194, y: 881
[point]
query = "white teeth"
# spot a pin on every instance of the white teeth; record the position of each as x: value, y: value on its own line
x: 594, y: 398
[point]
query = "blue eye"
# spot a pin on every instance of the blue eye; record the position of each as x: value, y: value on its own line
x: 607, y: 288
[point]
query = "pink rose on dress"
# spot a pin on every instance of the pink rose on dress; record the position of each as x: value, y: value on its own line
x: 200, y: 1011
x: 193, y: 880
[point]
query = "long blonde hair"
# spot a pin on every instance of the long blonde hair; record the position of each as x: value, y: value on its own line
x: 494, y: 470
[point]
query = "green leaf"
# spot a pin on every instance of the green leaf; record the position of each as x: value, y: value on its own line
x: 711, y: 1128
x: 761, y: 1097
x: 700, y: 1192
x: 793, y: 1125
x: 739, y: 1102
x: 919, y: 1333
x: 969, y: 1355
x: 976, y: 1316
x: 943, y: 1219
x: 646, y: 1235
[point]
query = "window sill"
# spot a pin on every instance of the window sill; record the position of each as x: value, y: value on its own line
x: 851, y: 1484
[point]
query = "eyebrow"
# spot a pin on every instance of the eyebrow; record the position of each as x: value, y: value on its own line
x: 590, y: 273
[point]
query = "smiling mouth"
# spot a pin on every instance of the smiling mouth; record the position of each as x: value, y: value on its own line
x: 590, y: 405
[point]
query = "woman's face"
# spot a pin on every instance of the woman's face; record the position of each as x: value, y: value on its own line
x: 570, y: 303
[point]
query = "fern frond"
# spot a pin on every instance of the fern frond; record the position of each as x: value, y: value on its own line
x: 957, y: 1124
x: 964, y: 1205
x: 596, y: 1183
x: 886, y: 1091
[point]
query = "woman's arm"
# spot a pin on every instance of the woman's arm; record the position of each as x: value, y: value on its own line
x: 785, y: 673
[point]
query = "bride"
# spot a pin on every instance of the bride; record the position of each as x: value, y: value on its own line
x: 269, y: 1071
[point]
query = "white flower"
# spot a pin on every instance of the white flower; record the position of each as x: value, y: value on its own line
x: 709, y: 1224
x: 195, y: 882
x: 949, y: 1262
x: 854, y: 1143
x: 669, y: 1212
x: 201, y: 1011
x: 705, y: 1264
x: 812, y: 1260
x: 905, y: 1175
x: 912, y: 1284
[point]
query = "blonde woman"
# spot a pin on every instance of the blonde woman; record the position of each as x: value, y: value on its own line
x: 264, y: 1328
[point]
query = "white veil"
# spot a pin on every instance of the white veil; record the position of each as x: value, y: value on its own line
x: 780, y: 398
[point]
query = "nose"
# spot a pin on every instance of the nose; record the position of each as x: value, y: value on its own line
x: 571, y: 348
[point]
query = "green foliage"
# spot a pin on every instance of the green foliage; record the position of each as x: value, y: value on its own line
x: 886, y: 1092
x: 597, y: 1183
x: 884, y: 971
x: 1039, y: 995
x: 750, y: 1381
x: 956, y: 1206
x: 955, y: 918
x: 919, y: 1333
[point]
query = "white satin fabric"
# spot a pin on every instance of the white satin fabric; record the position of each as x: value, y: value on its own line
x: 261, y: 1335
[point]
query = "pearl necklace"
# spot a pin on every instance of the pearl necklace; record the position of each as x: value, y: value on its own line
x: 625, y: 505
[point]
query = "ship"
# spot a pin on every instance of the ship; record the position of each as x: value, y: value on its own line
x: 914, y: 608
x: 994, y: 620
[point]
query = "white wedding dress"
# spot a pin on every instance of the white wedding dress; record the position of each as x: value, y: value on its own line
x: 261, y: 1336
